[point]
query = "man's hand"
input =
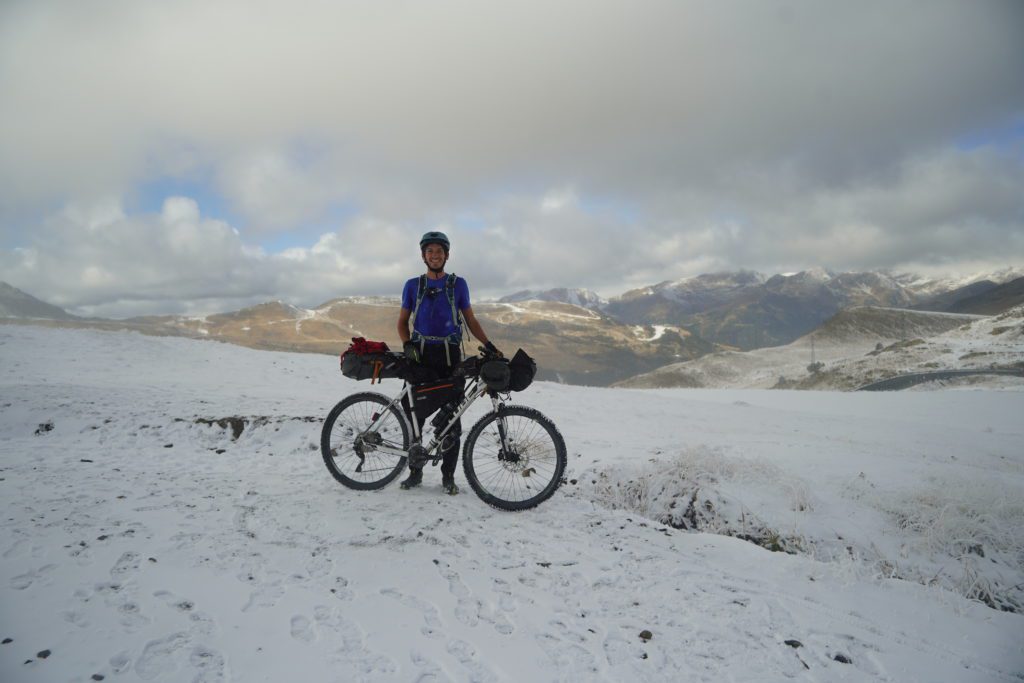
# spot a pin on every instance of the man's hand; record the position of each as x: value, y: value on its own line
x: 412, y: 351
x: 490, y: 349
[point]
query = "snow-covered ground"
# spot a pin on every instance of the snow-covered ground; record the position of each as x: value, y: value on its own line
x: 852, y: 358
x: 140, y: 541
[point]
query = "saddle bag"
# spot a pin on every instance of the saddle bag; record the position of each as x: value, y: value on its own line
x: 371, y: 360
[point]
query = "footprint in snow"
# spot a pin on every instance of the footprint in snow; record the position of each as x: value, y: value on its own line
x: 465, y: 654
x: 23, y: 581
x: 208, y: 662
x: 302, y: 629
x: 432, y: 628
x: 128, y: 562
x: 159, y: 658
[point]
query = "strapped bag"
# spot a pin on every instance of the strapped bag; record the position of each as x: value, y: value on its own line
x: 371, y: 360
x: 429, y: 397
x: 522, y: 370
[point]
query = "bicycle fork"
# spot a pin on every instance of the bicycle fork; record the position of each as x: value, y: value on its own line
x: 505, y: 452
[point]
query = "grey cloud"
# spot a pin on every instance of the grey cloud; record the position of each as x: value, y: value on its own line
x: 457, y: 94
x: 764, y: 134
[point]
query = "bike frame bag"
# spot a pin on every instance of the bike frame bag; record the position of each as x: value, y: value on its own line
x: 429, y: 397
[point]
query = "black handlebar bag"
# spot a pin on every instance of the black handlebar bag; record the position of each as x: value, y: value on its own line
x: 522, y: 370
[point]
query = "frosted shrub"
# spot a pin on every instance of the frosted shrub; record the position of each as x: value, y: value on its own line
x: 702, y: 489
x: 964, y: 536
x: 974, y: 532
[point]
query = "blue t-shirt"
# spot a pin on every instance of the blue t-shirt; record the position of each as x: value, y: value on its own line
x: 434, y: 317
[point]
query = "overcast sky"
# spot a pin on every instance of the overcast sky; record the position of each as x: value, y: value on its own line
x: 193, y: 156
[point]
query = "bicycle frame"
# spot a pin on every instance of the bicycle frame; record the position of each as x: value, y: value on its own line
x: 474, y: 390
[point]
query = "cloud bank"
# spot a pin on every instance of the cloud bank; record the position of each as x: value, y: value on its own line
x: 599, y: 144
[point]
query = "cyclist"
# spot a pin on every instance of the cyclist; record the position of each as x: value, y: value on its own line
x: 436, y: 304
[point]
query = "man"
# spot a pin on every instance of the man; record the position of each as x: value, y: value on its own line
x: 436, y: 335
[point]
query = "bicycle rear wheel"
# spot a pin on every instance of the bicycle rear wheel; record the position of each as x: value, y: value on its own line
x: 350, y: 449
x: 524, y: 474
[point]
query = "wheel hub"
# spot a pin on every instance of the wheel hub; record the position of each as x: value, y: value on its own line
x: 512, y: 459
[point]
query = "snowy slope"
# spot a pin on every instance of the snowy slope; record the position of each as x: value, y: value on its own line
x: 139, y: 542
x: 858, y: 346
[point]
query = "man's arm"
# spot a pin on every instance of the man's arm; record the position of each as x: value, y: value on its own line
x: 474, y: 324
x: 403, y: 325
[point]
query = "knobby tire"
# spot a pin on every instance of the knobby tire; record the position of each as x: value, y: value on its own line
x: 538, y: 464
x: 351, y: 417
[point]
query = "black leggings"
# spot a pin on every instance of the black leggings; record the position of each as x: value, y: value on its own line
x: 434, y: 357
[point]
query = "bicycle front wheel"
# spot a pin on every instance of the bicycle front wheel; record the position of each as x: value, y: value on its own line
x: 521, y: 470
x: 350, y: 446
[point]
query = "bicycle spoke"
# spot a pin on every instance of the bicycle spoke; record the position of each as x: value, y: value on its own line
x: 515, y: 480
x: 363, y: 422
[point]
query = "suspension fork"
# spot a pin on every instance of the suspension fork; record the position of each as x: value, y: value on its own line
x: 499, y: 409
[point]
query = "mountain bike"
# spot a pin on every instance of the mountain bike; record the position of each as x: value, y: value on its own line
x: 514, y: 456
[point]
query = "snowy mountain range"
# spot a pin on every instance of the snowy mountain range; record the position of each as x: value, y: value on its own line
x: 748, y: 310
x: 861, y: 345
x: 576, y: 335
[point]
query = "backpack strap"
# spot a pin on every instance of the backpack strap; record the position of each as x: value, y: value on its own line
x: 421, y: 289
x: 457, y: 318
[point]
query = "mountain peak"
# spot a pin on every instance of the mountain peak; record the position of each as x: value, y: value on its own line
x: 584, y: 298
x: 15, y: 303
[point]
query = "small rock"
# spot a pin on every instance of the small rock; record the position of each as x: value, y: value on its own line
x: 794, y: 643
x: 85, y: 460
x: 7, y: 641
x: 102, y: 538
x: 220, y: 451
x: 43, y: 654
x: 646, y: 635
x: 44, y: 427
x: 168, y: 445
x: 153, y: 560
x: 842, y: 659
x: 97, y: 677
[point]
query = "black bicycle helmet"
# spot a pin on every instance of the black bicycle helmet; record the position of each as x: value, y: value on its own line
x: 434, y: 237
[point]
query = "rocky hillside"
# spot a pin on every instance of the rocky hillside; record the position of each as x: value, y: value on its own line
x: 994, y: 300
x: 15, y: 303
x: 571, y: 344
x: 747, y: 310
x: 855, y: 347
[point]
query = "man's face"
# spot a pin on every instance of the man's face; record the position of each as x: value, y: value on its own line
x: 434, y: 256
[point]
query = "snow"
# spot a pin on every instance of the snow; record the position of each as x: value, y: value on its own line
x: 981, y: 342
x: 659, y: 332
x: 137, y: 543
x: 508, y: 312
